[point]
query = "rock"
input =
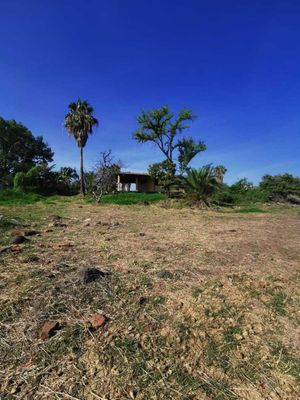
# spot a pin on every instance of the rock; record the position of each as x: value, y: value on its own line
x: 164, y: 274
x: 49, y: 329
x: 142, y: 300
x: 57, y: 224
x: 18, y: 239
x: 30, y: 232
x: 97, y: 320
x: 55, y: 217
x: 91, y: 274
x: 32, y: 258
x: 66, y: 245
x: 16, y: 232
x: 142, y: 234
x: 15, y: 248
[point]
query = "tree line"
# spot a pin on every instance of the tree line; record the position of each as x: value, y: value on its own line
x: 25, y: 162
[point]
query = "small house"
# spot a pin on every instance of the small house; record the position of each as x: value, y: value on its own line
x: 135, y: 181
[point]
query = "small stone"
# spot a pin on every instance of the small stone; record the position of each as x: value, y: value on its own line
x: 97, y: 320
x: 15, y: 248
x: 142, y: 234
x: 55, y: 217
x: 142, y: 300
x: 16, y: 232
x: 66, y: 245
x: 91, y: 275
x: 30, y: 232
x: 56, y: 223
x: 49, y: 329
x: 32, y: 258
x: 164, y: 274
x: 18, y: 239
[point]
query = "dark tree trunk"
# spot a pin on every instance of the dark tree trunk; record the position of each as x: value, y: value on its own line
x: 82, y: 185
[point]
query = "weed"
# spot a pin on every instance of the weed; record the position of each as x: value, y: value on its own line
x: 278, y: 303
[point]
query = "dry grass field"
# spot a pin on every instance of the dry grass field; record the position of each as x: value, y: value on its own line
x: 198, y: 304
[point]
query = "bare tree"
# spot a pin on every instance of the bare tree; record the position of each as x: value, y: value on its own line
x: 105, y: 175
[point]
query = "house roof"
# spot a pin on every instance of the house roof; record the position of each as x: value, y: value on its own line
x: 134, y: 173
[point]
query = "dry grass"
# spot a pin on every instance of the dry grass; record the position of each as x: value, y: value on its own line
x: 226, y: 326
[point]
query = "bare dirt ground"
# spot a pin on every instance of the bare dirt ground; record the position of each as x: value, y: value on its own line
x: 199, y: 304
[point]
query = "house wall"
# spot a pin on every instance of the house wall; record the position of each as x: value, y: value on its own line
x: 141, y: 183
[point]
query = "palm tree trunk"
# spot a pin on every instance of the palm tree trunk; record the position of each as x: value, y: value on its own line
x: 82, y: 186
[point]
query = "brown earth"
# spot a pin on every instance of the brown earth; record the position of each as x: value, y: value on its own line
x: 222, y: 324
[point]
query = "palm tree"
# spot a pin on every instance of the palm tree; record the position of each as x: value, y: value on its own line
x: 79, y: 121
x: 200, y: 184
x: 219, y: 172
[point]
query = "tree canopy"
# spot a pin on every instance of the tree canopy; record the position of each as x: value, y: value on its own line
x: 162, y: 128
x: 20, y: 150
x: 79, y: 121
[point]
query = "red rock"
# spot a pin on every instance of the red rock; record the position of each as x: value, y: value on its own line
x: 16, y: 232
x: 15, y: 248
x: 97, y: 320
x: 49, y: 329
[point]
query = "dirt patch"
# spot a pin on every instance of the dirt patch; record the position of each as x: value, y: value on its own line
x: 222, y: 322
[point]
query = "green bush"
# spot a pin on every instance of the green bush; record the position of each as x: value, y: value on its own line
x: 278, y: 187
x: 20, y: 181
x: 131, y: 198
x: 18, y: 197
x: 41, y: 179
x: 240, y: 193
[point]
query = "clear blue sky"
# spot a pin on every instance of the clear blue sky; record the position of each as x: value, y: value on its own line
x: 236, y: 64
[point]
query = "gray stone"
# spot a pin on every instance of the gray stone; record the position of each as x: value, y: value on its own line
x: 164, y: 274
x: 18, y: 240
x: 92, y: 274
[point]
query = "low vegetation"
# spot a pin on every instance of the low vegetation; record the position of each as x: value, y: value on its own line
x: 198, y: 304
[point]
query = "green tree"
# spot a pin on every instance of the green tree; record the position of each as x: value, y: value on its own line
x: 278, y: 187
x: 188, y: 149
x: 20, y: 150
x: 67, y: 175
x: 79, y: 121
x: 200, y: 184
x: 163, y: 173
x: 219, y: 172
x: 162, y: 128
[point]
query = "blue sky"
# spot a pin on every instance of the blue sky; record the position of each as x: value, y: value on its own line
x: 236, y: 64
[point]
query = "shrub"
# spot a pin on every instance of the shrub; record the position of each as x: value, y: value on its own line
x: 240, y: 193
x: 278, y: 187
x: 20, y: 181
x: 200, y: 184
x: 41, y: 179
